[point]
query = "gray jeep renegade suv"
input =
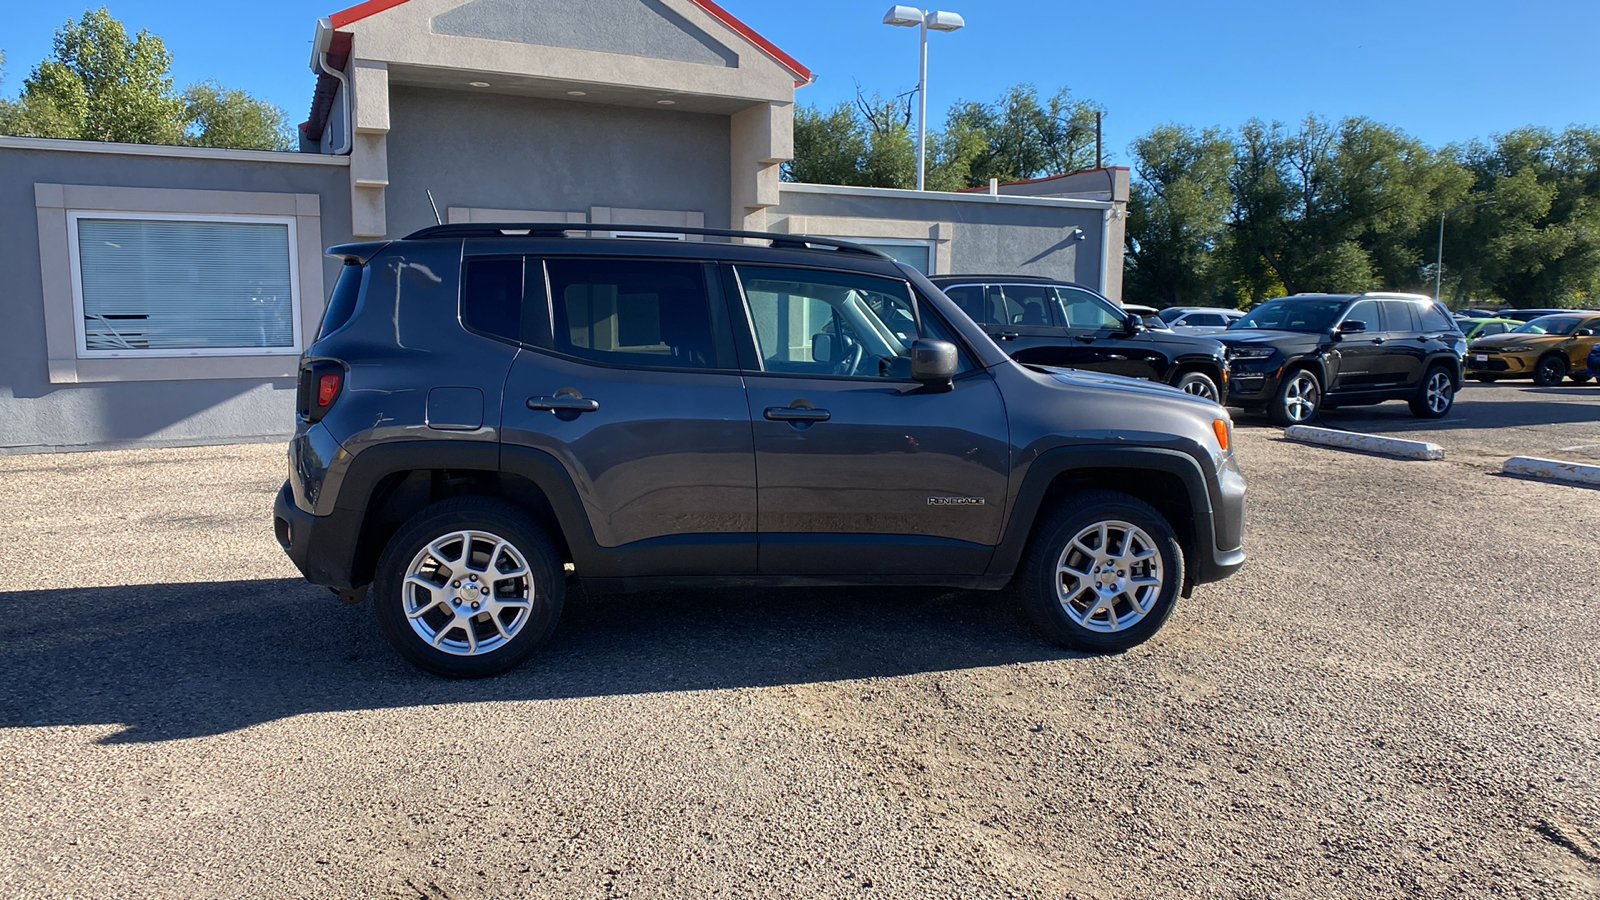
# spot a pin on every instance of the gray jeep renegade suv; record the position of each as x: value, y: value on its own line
x: 485, y: 404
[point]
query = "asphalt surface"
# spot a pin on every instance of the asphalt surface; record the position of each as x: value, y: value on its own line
x: 1398, y: 696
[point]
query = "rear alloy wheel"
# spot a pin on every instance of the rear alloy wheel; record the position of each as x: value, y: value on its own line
x: 1549, y: 371
x: 468, y: 588
x: 1435, y: 395
x: 1102, y: 573
x: 1200, y: 385
x: 1298, y: 401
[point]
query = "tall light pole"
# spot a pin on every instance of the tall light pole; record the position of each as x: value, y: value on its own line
x: 935, y: 20
x: 1438, y: 263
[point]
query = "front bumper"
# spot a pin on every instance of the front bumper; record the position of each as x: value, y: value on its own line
x: 1508, y: 364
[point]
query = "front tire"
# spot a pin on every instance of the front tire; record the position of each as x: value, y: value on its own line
x: 1200, y: 385
x: 1102, y: 573
x: 1435, y: 396
x: 468, y: 588
x: 1549, y: 371
x: 1298, y: 400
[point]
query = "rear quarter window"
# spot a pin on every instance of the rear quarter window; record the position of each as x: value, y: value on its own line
x: 344, y: 299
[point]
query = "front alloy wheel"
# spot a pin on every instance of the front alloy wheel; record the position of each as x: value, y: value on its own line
x: 1299, y: 398
x: 1200, y: 385
x: 1102, y: 572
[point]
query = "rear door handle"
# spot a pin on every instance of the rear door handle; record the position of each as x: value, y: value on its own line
x: 563, y: 404
x: 796, y: 414
x: 1007, y: 336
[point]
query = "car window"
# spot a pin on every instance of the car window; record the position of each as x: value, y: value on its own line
x: 1030, y: 304
x: 1549, y: 325
x: 1081, y: 309
x: 1203, y: 320
x: 1309, y: 316
x: 1367, y: 313
x: 1170, y: 314
x: 831, y: 323
x: 491, y: 296
x: 970, y: 298
x: 1435, y: 319
x: 632, y: 312
x: 1398, y: 315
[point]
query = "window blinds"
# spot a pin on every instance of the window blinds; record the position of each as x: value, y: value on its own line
x: 155, y: 284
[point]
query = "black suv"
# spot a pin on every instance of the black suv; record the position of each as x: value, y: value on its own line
x: 1056, y: 323
x: 487, y: 405
x: 1295, y: 356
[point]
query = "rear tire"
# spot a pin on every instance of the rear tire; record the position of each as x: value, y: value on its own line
x: 468, y: 588
x: 1102, y: 573
x: 1435, y: 395
x: 1298, y: 400
x: 1549, y: 371
x: 1200, y: 385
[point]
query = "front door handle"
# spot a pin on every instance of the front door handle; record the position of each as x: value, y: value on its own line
x: 1377, y: 340
x: 562, y: 403
x: 1007, y: 336
x: 796, y: 414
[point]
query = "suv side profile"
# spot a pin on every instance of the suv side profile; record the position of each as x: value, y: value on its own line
x: 1295, y: 356
x: 1046, y: 322
x: 486, y: 406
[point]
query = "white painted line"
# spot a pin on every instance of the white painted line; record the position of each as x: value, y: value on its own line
x: 1552, y: 470
x: 1369, y: 443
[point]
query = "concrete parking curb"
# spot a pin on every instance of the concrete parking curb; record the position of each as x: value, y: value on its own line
x: 1552, y: 470
x: 1369, y: 443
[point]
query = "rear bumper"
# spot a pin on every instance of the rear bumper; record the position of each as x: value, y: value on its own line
x: 321, y: 547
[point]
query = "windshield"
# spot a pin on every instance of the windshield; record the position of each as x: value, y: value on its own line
x: 1170, y: 313
x: 1310, y: 316
x: 1548, y: 325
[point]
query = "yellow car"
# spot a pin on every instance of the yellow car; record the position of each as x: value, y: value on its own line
x: 1548, y: 348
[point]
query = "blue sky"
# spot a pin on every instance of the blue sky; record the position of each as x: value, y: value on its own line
x: 1442, y: 71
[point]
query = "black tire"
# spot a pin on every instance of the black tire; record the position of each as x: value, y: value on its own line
x: 1200, y: 385
x: 1436, y: 395
x: 424, y: 541
x: 1298, y: 400
x: 1550, y: 371
x: 1486, y: 379
x: 1046, y: 599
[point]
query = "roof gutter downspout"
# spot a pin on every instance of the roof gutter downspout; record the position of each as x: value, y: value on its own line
x: 319, y: 63
x: 1105, y: 248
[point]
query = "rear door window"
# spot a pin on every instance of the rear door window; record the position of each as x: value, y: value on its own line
x: 1030, y: 305
x: 630, y: 312
x: 1398, y: 316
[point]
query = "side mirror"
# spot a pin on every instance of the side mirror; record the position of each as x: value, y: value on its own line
x: 1353, y: 326
x: 933, y: 363
x: 1583, y: 332
x: 823, y: 347
x: 1134, y: 324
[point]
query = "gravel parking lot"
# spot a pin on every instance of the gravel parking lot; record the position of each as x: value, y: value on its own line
x: 1399, y: 695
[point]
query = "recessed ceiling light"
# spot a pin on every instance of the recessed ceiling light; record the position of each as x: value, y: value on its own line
x: 666, y: 102
x: 478, y: 84
x: 577, y: 93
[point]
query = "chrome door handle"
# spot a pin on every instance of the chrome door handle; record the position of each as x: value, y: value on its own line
x: 796, y: 414
x: 1007, y: 336
x: 563, y: 404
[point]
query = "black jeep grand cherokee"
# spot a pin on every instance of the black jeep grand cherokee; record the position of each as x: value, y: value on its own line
x: 484, y: 404
x: 1057, y: 323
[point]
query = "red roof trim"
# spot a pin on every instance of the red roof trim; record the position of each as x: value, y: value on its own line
x: 803, y: 75
x: 360, y: 11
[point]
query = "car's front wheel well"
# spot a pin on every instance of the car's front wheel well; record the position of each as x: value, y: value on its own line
x: 400, y: 495
x: 1164, y: 491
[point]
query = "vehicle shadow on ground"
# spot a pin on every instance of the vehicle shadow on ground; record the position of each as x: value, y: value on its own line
x: 173, y: 661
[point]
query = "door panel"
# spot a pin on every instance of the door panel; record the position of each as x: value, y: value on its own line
x: 860, y: 470
x: 1406, y: 349
x: 1360, y: 357
x: 656, y: 440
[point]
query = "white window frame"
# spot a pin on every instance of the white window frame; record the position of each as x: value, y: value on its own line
x: 81, y: 332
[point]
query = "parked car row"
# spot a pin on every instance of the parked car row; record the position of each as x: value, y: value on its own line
x: 1545, y: 348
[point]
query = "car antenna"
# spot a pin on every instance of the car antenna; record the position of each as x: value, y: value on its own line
x: 436, y: 219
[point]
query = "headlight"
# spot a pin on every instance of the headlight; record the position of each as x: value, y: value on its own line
x: 1250, y: 352
x: 1518, y: 349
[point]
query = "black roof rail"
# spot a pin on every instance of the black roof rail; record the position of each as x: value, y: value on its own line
x: 560, y: 229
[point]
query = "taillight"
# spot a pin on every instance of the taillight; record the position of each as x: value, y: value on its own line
x: 320, y: 384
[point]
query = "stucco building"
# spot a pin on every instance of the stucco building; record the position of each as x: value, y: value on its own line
x: 163, y: 294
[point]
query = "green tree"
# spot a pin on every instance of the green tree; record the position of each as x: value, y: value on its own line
x: 1537, y: 243
x: 218, y: 117
x: 868, y: 143
x: 101, y: 86
x: 1177, y: 215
